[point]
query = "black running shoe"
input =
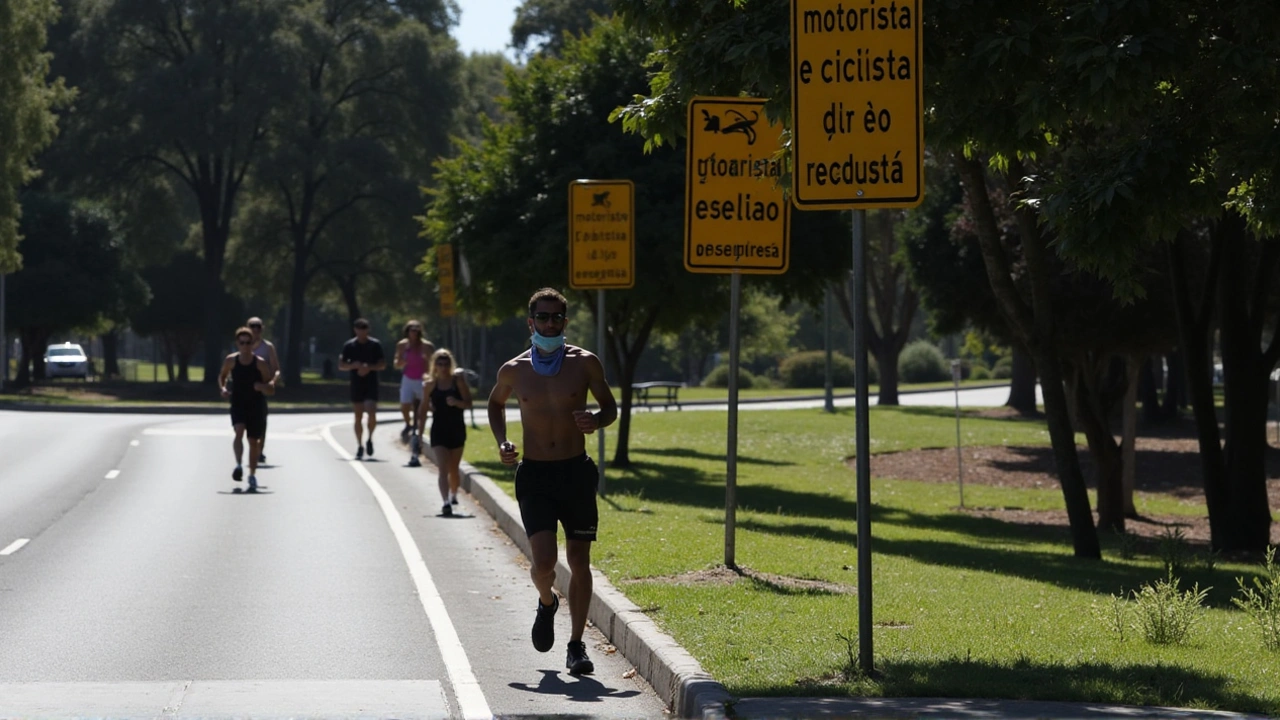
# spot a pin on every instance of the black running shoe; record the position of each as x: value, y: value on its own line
x: 262, y: 459
x: 414, y: 461
x: 359, y: 453
x: 368, y: 447
x: 404, y: 434
x: 447, y: 510
x: 577, y: 660
x: 237, y: 473
x: 253, y: 484
x: 453, y: 499
x: 544, y: 624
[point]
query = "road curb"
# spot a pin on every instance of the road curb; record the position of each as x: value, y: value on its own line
x: 668, y: 668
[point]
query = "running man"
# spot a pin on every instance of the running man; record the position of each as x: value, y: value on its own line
x: 556, y: 481
x: 363, y: 356
x: 411, y: 357
x: 446, y: 395
x: 250, y: 378
x: 265, y: 350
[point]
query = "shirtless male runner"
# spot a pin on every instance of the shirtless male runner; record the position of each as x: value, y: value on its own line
x: 266, y: 351
x: 556, y: 481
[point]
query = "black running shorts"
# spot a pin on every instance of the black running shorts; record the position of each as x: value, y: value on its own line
x: 364, y: 392
x: 451, y: 435
x: 562, y: 491
x: 254, y: 419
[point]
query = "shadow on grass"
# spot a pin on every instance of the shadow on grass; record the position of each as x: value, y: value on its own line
x: 1144, y: 684
x: 695, y: 455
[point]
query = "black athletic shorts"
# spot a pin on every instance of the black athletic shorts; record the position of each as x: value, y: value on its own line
x: 254, y: 419
x: 451, y: 435
x: 364, y: 392
x: 561, y: 491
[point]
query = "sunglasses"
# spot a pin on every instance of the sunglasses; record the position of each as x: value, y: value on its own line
x: 256, y: 326
x: 244, y: 342
x: 415, y: 329
x: 443, y: 363
x: 545, y: 316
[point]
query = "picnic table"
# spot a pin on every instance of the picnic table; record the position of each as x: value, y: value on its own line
x: 653, y: 394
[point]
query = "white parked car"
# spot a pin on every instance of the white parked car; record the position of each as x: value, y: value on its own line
x: 66, y: 360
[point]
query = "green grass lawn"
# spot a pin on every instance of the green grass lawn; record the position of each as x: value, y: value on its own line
x: 964, y: 606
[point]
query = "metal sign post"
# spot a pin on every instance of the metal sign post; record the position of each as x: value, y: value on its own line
x: 955, y: 379
x: 737, y: 219
x: 600, y: 349
x: 863, y: 439
x: 830, y: 404
x: 4, y: 340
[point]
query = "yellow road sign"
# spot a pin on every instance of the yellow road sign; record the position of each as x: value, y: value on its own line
x: 857, y: 103
x: 444, y: 275
x: 736, y: 216
x: 602, y: 230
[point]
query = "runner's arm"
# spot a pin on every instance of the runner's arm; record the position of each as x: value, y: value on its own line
x: 401, y: 347
x: 464, y: 390
x: 267, y: 386
x: 224, y: 374
x: 601, y: 391
x: 502, y: 389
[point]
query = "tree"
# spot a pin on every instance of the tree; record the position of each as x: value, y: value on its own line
x: 176, y: 295
x: 74, y: 275
x: 185, y: 88
x: 483, y: 87
x: 27, y: 101
x: 373, y: 92
x: 541, y: 25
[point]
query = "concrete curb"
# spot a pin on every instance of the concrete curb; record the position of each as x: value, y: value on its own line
x: 668, y: 668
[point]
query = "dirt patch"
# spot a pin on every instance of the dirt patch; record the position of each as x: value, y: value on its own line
x: 721, y: 575
x: 1165, y: 466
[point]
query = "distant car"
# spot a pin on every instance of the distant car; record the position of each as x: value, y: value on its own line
x: 66, y: 360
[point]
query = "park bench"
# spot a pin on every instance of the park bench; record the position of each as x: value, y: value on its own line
x: 654, y: 394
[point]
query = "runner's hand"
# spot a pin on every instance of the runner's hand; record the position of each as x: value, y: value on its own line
x: 508, y: 453
x: 587, y: 421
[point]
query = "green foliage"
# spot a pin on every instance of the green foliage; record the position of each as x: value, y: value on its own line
x: 27, y: 101
x: 719, y: 377
x: 1174, y: 551
x: 1262, y: 601
x: 1164, y: 614
x: 544, y: 23
x: 1112, y: 614
x: 921, y: 361
x: 809, y: 370
x: 979, y: 372
x: 1003, y: 368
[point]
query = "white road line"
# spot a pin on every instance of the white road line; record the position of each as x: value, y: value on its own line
x: 228, y: 433
x: 15, y: 546
x: 471, y: 698
x: 113, y: 474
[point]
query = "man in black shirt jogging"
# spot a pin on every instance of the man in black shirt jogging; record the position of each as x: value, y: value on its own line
x: 363, y: 356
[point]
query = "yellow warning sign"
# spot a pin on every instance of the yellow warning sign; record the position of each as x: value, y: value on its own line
x: 736, y: 214
x: 857, y: 104
x: 602, y: 229
x: 444, y: 276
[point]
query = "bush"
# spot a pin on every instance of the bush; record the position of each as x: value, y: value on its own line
x: 1166, y: 614
x: 1262, y: 602
x: 719, y: 378
x: 979, y: 372
x: 809, y: 370
x: 921, y: 361
x: 1003, y: 368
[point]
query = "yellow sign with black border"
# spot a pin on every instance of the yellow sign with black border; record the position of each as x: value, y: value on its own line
x: 444, y: 276
x: 857, y: 104
x: 736, y: 213
x: 602, y: 230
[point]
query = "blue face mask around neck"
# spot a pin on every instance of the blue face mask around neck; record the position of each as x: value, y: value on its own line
x: 548, y: 344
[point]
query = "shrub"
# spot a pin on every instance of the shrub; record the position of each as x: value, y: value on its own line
x: 808, y: 370
x: 1003, y: 369
x: 921, y: 361
x: 979, y: 372
x: 1262, y: 601
x: 719, y: 377
x: 1164, y: 613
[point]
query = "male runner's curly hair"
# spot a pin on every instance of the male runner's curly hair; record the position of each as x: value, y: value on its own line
x: 546, y: 293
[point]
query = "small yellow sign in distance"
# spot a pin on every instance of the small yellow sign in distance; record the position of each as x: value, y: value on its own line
x: 857, y: 104
x: 602, y: 230
x: 444, y: 276
x: 736, y: 214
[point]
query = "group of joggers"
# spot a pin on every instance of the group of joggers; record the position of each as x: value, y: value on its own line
x: 431, y: 383
x: 555, y: 479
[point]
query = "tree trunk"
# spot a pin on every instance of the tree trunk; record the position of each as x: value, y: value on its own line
x: 1128, y: 446
x: 297, y: 304
x: 111, y: 353
x: 214, y: 251
x: 1033, y: 327
x: 347, y: 284
x: 1176, y: 390
x: 1093, y: 411
x: 887, y: 359
x: 170, y: 346
x: 1022, y: 387
x: 1148, y: 391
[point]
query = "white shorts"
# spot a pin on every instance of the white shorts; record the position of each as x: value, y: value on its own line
x: 410, y: 390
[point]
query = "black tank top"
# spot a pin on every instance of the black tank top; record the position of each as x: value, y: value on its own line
x: 446, y: 413
x: 242, y: 379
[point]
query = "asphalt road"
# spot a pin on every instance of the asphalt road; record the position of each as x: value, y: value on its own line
x: 136, y: 580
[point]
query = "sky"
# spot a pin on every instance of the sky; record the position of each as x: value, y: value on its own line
x: 485, y: 25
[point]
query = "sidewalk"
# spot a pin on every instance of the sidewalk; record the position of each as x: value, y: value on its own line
x: 691, y: 692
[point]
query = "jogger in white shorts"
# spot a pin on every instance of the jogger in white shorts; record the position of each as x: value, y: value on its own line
x: 411, y: 357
